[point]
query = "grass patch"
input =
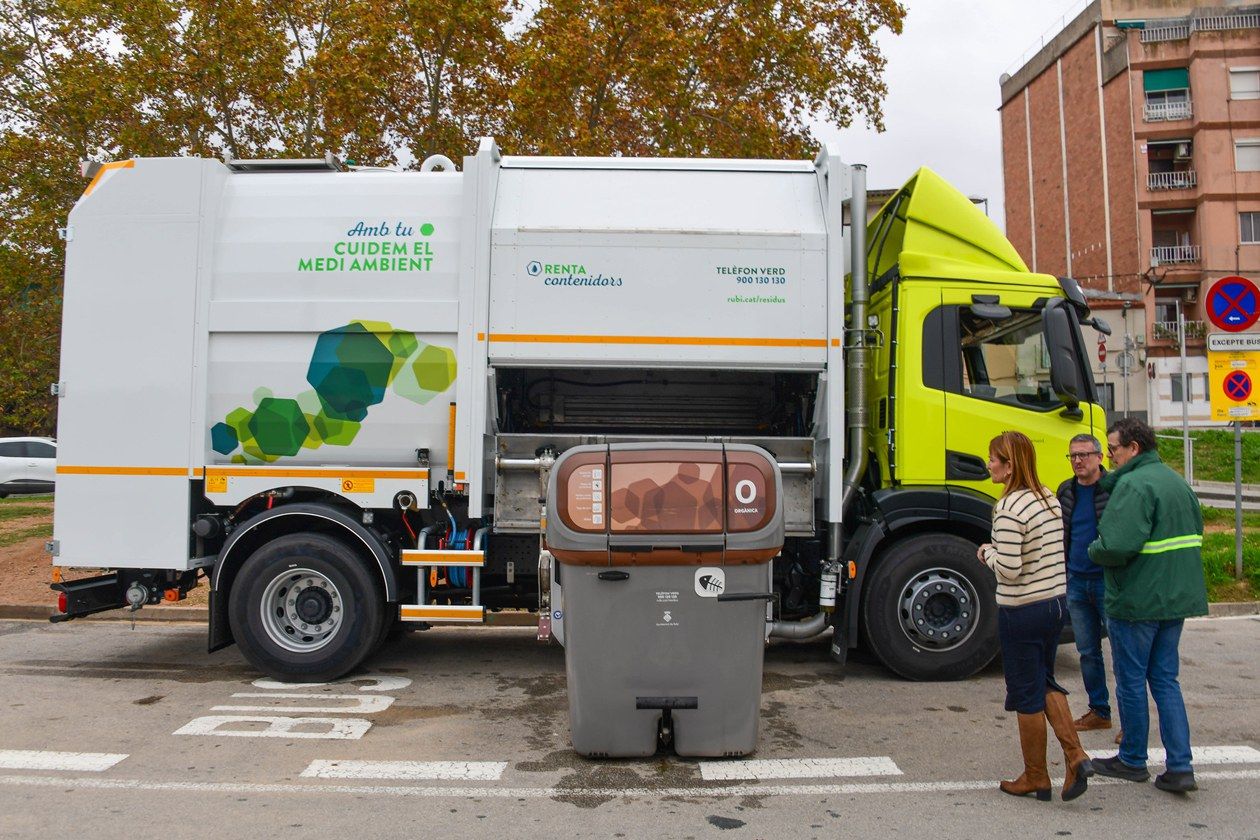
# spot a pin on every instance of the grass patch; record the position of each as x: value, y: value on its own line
x: 1218, y: 556
x: 22, y: 499
x: 1213, y: 454
x: 8, y: 538
x: 22, y: 511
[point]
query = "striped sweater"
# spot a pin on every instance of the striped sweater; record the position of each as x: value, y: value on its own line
x: 1027, y: 551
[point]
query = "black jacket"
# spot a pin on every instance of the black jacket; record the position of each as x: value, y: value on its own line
x: 1067, y: 501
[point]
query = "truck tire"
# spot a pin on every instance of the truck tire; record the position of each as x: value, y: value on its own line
x: 929, y: 610
x: 304, y: 608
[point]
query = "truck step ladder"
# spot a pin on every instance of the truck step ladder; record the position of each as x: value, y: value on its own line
x: 425, y: 559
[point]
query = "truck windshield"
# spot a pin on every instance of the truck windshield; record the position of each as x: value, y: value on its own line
x: 1007, y: 360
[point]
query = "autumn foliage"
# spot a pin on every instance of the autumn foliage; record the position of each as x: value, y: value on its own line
x: 389, y: 83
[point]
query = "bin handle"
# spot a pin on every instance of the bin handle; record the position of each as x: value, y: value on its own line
x: 644, y: 548
x: 614, y: 575
x: 749, y: 596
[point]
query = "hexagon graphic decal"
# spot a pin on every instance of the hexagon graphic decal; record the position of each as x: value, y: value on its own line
x: 351, y: 369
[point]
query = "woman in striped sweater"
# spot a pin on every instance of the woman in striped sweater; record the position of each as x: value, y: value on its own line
x: 1027, y: 557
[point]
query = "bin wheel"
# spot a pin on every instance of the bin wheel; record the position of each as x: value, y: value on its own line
x: 305, y: 609
x: 929, y: 610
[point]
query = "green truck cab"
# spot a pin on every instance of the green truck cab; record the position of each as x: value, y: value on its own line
x: 967, y: 343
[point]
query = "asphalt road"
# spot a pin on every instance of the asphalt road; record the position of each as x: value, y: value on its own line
x: 478, y: 721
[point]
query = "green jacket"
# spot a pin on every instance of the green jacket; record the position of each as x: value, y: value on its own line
x: 1149, y: 541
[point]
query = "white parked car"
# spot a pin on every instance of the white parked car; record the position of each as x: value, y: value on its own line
x: 27, y: 465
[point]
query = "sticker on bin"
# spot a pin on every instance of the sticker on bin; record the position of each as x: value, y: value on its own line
x: 710, y: 582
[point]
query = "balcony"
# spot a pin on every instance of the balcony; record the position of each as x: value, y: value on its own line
x: 1165, y: 111
x: 1167, y: 330
x: 1182, y: 28
x: 1184, y: 180
x: 1167, y: 254
x: 1174, y: 32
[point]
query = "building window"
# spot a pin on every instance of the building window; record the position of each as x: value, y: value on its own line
x: 1249, y: 228
x: 1106, y: 395
x: 1167, y: 94
x: 1244, y: 83
x: 1247, y: 155
x: 1190, y: 378
x: 1177, y: 395
x: 1166, y: 311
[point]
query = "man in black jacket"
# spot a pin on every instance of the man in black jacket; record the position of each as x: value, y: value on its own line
x: 1083, y: 500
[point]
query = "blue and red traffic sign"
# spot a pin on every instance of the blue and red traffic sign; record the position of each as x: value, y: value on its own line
x: 1237, y: 385
x: 1233, y: 303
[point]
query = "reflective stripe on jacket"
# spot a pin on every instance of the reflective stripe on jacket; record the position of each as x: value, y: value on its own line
x: 1149, y: 541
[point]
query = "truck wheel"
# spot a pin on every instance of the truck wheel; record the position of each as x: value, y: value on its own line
x: 929, y: 609
x: 305, y: 609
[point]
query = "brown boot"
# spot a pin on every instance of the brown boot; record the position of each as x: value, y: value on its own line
x: 1032, y: 743
x: 1075, y: 760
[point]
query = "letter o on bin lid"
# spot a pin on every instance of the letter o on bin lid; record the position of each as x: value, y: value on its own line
x: 690, y: 504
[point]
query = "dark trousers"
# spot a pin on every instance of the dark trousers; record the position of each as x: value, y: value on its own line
x: 1030, y: 640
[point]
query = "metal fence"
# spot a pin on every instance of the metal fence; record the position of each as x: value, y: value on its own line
x: 1164, y: 254
x: 1171, y: 180
x: 1165, y: 111
x: 1180, y: 30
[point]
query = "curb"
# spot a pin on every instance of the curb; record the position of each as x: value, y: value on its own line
x: 1222, y: 609
x: 174, y: 614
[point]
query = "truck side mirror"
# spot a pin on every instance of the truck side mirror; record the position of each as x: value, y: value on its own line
x: 1100, y: 325
x: 1065, y: 377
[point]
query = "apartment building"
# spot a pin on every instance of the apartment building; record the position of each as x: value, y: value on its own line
x: 1131, y: 161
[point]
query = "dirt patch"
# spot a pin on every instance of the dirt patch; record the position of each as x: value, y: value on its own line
x: 26, y: 569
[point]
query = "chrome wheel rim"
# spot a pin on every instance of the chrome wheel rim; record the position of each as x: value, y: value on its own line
x: 938, y: 609
x: 302, y: 610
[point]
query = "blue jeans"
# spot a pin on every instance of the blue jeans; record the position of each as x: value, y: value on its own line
x: 1085, y: 605
x: 1145, y: 653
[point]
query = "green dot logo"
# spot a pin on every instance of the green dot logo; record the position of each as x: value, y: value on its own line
x: 426, y: 229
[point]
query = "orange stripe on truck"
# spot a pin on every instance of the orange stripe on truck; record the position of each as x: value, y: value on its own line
x: 100, y: 173
x: 311, y: 472
x: 72, y: 469
x: 685, y: 340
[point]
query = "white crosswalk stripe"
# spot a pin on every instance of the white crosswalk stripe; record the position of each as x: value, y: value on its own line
x: 47, y: 760
x: 798, y: 768
x: 1202, y: 755
x: 478, y: 771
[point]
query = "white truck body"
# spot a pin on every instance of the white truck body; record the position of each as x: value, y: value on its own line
x: 204, y: 305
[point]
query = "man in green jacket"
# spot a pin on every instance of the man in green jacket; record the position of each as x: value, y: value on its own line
x: 1149, y: 541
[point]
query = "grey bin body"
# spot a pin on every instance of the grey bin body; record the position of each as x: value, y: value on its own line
x: 645, y: 630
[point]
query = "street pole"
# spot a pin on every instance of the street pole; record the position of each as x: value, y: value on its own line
x: 1128, y: 367
x: 1186, y: 461
x: 1109, y: 409
x: 1238, y: 531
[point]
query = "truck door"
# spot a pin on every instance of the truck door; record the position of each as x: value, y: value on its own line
x: 997, y: 377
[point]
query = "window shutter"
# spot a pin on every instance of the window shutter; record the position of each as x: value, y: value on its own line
x: 1244, y: 84
x: 1247, y: 156
x: 1172, y: 78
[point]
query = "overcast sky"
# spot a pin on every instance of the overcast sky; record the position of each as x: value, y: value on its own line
x: 943, y: 96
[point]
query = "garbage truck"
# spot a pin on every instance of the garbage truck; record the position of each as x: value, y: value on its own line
x: 335, y: 395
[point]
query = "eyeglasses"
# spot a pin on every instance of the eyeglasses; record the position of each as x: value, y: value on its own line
x: 1081, y: 456
x: 1111, y: 450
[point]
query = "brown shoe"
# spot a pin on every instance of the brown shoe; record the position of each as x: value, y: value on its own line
x: 1119, y: 736
x: 1075, y: 760
x: 1032, y: 743
x: 1091, y: 720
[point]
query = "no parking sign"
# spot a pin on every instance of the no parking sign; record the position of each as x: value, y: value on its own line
x: 1233, y: 303
x: 1234, y: 376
